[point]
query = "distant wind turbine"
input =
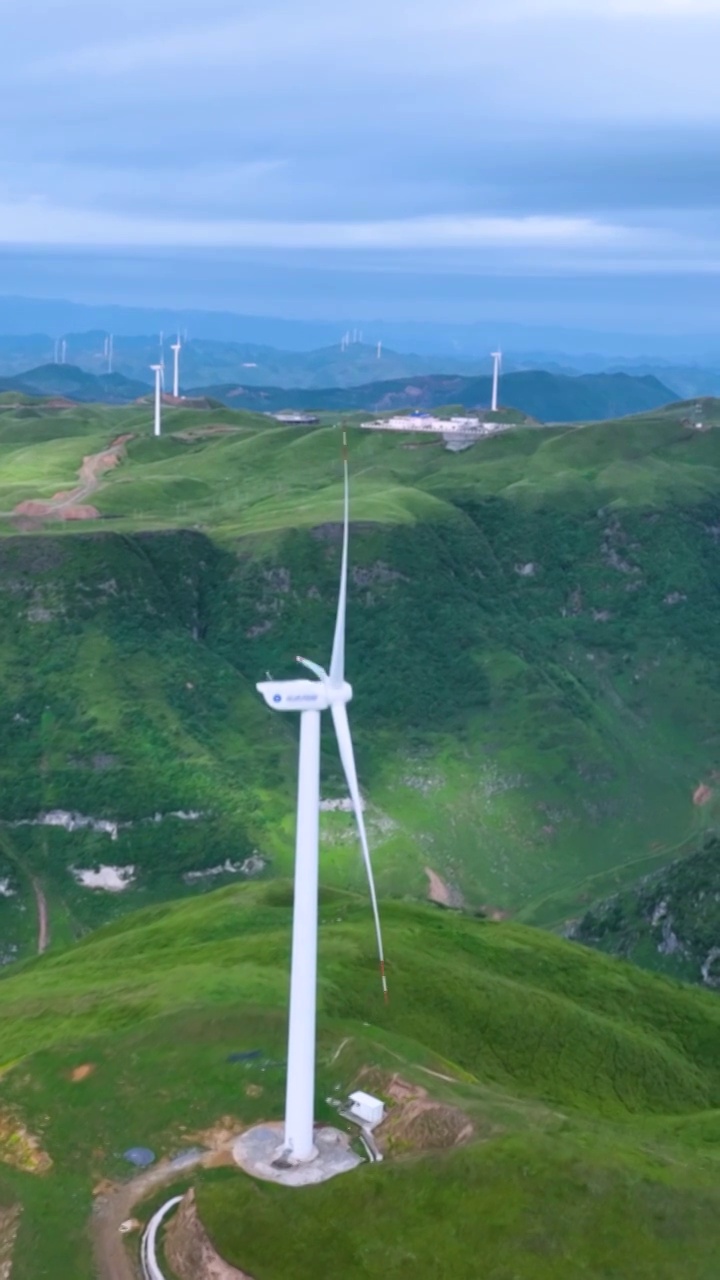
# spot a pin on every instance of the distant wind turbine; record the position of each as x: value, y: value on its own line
x: 159, y: 371
x: 329, y: 691
x: 63, y: 351
x: 175, y: 347
x: 497, y: 365
x: 379, y: 350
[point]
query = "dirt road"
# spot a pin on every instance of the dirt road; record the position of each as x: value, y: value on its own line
x: 71, y: 504
x: 43, y: 918
x: 115, y: 1206
x: 42, y: 915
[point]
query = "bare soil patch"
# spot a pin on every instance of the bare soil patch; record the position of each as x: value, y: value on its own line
x: 70, y: 504
x: 190, y: 1251
x: 82, y: 1072
x: 20, y: 1148
x: 414, y: 1120
x: 443, y: 894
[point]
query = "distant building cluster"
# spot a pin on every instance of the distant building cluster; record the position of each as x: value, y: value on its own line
x: 298, y: 419
x: 428, y: 422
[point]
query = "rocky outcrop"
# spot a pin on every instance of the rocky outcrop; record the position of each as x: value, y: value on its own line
x: 189, y: 1250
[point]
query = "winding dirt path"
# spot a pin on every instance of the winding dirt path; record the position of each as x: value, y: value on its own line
x: 115, y: 1206
x: 42, y: 915
x: 71, y: 504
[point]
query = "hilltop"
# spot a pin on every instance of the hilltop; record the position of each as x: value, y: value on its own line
x: 566, y: 1105
x: 65, y: 380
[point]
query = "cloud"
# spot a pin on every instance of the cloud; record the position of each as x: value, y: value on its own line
x: 522, y: 132
x: 281, y: 31
x: 657, y: 10
x: 36, y: 222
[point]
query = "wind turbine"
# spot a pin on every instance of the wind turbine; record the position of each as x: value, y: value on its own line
x: 330, y: 691
x: 497, y: 363
x: 159, y: 371
x: 175, y: 347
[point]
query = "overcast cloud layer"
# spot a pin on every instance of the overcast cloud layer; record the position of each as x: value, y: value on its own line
x: 528, y: 138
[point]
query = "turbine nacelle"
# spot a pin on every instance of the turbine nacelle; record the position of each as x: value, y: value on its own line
x: 302, y: 695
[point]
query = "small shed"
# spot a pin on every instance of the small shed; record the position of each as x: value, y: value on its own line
x: 368, y: 1109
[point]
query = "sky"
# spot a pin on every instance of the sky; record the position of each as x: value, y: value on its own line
x: 463, y: 159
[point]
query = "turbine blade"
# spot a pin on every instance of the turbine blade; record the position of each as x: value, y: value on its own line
x: 347, y: 756
x: 337, y: 661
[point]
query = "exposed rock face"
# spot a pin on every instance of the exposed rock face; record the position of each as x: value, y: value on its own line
x: 189, y: 1251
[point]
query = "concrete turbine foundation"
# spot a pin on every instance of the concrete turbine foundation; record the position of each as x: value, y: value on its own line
x: 259, y: 1151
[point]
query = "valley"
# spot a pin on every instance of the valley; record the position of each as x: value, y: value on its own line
x: 534, y: 712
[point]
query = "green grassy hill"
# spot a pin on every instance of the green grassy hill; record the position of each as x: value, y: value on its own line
x: 592, y: 1090
x: 531, y: 640
x: 77, y: 384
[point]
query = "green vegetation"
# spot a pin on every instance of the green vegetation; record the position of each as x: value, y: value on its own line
x: 589, y: 1086
x: 538, y: 1208
x: 668, y: 921
x: 531, y: 641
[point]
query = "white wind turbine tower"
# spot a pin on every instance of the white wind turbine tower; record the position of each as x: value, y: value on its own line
x: 497, y: 364
x: 159, y: 371
x: 176, y: 347
x: 330, y: 691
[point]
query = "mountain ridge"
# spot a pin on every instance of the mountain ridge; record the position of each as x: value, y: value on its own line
x: 541, y: 395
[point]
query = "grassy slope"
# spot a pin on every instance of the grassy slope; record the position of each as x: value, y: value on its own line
x: 591, y: 1086
x: 538, y: 1209
x: 536, y: 738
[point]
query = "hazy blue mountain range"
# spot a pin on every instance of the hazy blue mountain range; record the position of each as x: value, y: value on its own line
x: 66, y: 381
x: 206, y: 361
x: 19, y: 315
x: 545, y: 396
x: 210, y: 362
